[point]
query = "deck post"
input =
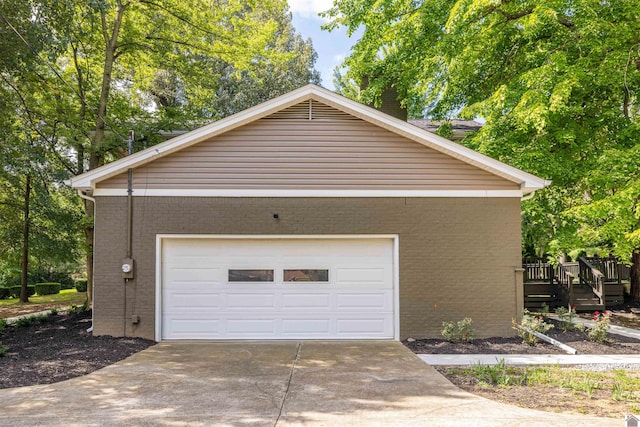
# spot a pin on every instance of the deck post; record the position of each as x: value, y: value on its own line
x: 519, y: 292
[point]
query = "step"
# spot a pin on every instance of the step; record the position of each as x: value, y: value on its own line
x: 583, y: 294
x: 589, y: 307
x: 587, y: 300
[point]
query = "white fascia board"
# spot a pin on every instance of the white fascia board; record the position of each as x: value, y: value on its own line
x: 140, y: 192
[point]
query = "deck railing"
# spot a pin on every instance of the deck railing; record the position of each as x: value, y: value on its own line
x: 538, y: 270
x: 591, y: 276
x: 613, y: 270
x: 567, y: 273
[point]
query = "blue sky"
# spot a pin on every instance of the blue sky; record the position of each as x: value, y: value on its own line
x: 332, y: 47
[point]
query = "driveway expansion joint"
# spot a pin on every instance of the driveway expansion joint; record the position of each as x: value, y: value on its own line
x: 286, y: 391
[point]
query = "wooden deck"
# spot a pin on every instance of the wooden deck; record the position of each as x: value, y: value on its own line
x: 588, y: 284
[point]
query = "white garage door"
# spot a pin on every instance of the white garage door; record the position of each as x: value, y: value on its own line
x: 215, y: 288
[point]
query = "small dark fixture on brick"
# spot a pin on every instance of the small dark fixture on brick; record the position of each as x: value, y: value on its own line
x: 276, y: 216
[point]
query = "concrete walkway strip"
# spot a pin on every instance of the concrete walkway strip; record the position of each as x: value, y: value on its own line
x: 11, y: 320
x: 531, y: 359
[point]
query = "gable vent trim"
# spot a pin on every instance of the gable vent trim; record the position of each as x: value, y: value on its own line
x: 310, y: 110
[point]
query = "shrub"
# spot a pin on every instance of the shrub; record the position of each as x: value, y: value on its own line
x: 533, y: 324
x: 53, y: 311
x: 47, y: 288
x: 544, y: 309
x: 81, y: 285
x: 15, y: 291
x: 3, y: 324
x: 566, y: 317
x: 4, y: 292
x: 80, y: 308
x: 28, y: 320
x: 51, y: 276
x: 599, y: 332
x: 462, y: 331
x: 3, y: 350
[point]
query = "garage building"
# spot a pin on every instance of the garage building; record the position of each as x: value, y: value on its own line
x: 309, y: 216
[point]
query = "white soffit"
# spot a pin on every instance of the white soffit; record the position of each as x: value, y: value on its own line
x: 527, y: 181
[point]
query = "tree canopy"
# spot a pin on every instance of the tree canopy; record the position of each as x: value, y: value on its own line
x: 556, y: 81
x: 75, y: 76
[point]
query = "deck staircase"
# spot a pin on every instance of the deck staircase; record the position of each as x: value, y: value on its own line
x: 588, y: 284
x: 585, y: 300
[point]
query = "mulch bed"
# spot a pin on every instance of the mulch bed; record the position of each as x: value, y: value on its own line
x: 59, y: 348
x: 514, y: 345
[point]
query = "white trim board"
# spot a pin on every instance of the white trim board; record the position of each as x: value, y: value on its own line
x: 528, y: 182
x: 160, y: 238
x: 307, y: 193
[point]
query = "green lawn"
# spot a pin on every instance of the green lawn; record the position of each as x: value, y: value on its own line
x: 65, y: 297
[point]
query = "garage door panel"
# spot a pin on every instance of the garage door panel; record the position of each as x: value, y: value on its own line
x: 356, y: 302
x: 189, y: 327
x: 179, y: 300
x: 306, y: 300
x: 368, y: 277
x: 360, y: 326
x: 252, y: 327
x: 249, y: 301
x: 363, y: 301
x: 194, y: 275
x: 298, y: 327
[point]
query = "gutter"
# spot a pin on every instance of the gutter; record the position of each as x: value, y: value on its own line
x: 529, y: 196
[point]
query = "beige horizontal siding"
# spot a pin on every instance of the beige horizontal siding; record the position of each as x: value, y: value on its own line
x: 289, y: 151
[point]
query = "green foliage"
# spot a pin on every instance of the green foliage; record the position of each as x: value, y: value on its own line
x: 53, y: 311
x: 461, y: 331
x: 15, y: 291
x: 61, y: 276
x: 3, y: 350
x: 557, y: 83
x: 531, y: 323
x: 445, y: 129
x: 544, y: 309
x: 3, y: 324
x: 29, y: 320
x: 81, y: 285
x: 146, y: 66
x: 47, y: 288
x: 599, y: 332
x: 79, y: 308
x: 4, y: 292
x: 566, y: 316
x: 500, y: 374
x: 623, y: 384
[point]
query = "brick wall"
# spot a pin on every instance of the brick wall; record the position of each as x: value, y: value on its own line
x: 457, y: 255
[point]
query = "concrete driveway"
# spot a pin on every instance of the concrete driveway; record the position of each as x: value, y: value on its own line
x: 374, y: 383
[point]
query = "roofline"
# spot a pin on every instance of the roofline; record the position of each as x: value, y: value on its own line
x: 527, y: 181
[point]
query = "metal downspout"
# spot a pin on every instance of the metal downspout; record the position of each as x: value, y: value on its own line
x: 92, y: 200
x: 129, y: 227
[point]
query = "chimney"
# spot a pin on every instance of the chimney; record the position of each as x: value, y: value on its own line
x: 390, y: 104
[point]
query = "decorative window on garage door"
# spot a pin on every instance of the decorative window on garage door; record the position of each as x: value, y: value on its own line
x: 303, y: 275
x: 244, y: 275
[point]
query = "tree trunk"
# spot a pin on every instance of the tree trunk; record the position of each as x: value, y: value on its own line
x: 96, y: 157
x: 24, y: 295
x: 635, y: 276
